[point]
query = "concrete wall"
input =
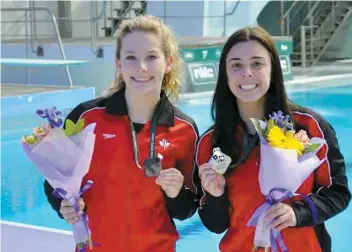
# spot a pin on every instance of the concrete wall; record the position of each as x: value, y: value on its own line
x: 83, y: 9
x: 18, y: 30
x: 185, y: 18
x: 272, y: 24
x: 245, y: 14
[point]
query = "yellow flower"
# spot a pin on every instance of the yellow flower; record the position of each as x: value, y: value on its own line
x: 276, y: 137
x: 294, y: 144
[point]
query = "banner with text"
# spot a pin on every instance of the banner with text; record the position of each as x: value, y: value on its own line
x: 202, y: 65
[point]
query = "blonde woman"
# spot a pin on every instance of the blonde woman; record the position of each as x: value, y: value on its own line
x: 132, y: 203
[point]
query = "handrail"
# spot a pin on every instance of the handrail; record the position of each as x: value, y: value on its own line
x: 123, y: 16
x: 229, y: 14
x: 289, y: 16
x: 289, y: 9
x: 56, y: 31
x: 32, y: 26
x: 234, y: 8
x: 91, y: 19
x: 308, y: 15
x: 296, y: 11
x: 97, y: 52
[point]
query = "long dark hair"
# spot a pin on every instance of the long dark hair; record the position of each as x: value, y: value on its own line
x: 224, y: 109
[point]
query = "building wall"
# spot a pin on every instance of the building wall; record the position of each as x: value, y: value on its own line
x: 185, y: 18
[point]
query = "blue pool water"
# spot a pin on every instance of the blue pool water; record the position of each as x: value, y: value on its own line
x: 23, y: 199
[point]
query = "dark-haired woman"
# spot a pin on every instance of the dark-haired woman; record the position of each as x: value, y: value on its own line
x: 250, y: 85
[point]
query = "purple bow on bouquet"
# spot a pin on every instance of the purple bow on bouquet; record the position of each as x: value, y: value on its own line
x: 275, y: 236
x: 63, y: 157
x: 81, y: 229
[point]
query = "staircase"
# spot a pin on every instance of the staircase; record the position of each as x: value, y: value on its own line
x: 125, y: 10
x: 313, y: 34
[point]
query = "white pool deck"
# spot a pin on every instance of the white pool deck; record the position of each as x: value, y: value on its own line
x: 16, y: 237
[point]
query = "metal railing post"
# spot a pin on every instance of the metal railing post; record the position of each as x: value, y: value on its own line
x: 224, y: 22
x: 303, y: 46
x: 26, y: 39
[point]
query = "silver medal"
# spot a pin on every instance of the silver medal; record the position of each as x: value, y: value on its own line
x: 220, y: 161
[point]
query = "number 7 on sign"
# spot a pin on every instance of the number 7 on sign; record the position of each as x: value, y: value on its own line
x: 205, y: 53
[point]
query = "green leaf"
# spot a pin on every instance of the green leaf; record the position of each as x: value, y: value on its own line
x: 257, y: 126
x: 312, y: 147
x: 72, y: 129
x: 69, y: 127
x: 80, y: 125
x: 270, y: 123
x: 284, y: 128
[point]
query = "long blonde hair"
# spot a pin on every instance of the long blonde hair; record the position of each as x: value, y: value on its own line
x: 172, y: 80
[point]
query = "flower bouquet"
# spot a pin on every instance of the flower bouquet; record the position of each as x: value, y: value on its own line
x: 287, y: 158
x: 63, y: 157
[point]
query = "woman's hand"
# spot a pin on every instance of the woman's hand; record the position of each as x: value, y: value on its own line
x: 68, y: 211
x: 171, y: 181
x: 212, y: 181
x: 280, y: 216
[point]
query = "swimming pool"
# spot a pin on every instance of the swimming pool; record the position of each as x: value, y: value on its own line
x: 23, y: 199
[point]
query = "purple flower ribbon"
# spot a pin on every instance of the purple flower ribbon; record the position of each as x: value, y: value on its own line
x: 80, y: 228
x: 275, y: 236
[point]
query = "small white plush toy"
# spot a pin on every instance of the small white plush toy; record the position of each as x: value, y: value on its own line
x: 220, y: 161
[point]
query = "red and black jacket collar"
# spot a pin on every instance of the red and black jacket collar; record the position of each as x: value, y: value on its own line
x: 116, y: 105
